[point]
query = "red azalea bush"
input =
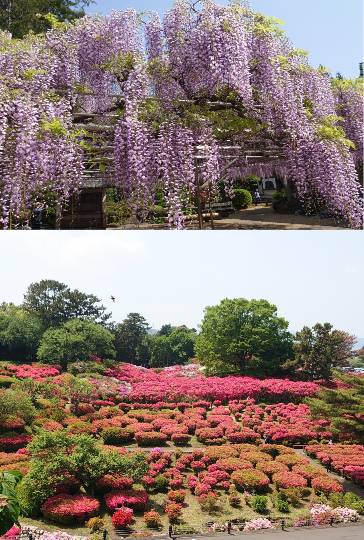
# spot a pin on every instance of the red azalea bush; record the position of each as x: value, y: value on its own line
x: 292, y: 459
x: 287, y: 480
x: 177, y: 496
x: 255, y: 456
x: 271, y: 467
x: 245, y: 435
x: 67, y: 509
x: 210, y: 435
x: 110, y: 482
x: 173, y: 511
x: 12, y: 423
x: 133, y: 498
x: 181, y: 439
x: 11, y: 442
x: 308, y: 471
x: 231, y: 464
x: 122, y: 518
x: 36, y: 372
x: 151, y: 438
x: 152, y: 519
x: 13, y: 533
x: 326, y: 485
x: 250, y: 479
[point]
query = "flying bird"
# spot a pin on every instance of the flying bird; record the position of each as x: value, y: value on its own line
x: 113, y: 299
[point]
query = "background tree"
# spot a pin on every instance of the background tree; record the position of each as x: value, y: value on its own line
x: 242, y: 336
x: 129, y: 339
x: 358, y: 359
x: 318, y: 350
x: 55, y: 303
x: 21, y: 16
x: 343, y: 407
x: 172, y: 346
x: 20, y: 333
x: 75, y: 340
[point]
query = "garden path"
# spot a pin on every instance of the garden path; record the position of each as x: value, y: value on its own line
x: 343, y: 532
x: 264, y: 217
x: 259, y: 217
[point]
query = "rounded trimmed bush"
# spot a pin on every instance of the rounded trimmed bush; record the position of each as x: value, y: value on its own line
x: 286, y: 480
x: 67, y: 509
x: 180, y: 439
x: 137, y: 499
x: 242, y: 199
x: 326, y: 485
x: 152, y: 519
x: 123, y: 518
x: 250, y: 479
x: 110, y: 482
x: 151, y: 438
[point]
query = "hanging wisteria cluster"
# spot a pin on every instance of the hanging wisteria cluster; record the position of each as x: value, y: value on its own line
x: 43, y: 80
x: 169, y: 75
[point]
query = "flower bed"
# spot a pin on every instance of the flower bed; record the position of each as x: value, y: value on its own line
x: 173, y: 385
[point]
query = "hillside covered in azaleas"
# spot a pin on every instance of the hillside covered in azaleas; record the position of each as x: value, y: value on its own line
x: 139, y: 448
x: 165, y: 75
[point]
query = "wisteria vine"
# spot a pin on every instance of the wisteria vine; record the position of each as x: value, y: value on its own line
x: 166, y: 74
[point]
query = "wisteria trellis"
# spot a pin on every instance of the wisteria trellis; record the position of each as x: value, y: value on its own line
x: 166, y: 71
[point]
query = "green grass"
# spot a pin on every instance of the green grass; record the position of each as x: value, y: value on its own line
x: 192, y: 515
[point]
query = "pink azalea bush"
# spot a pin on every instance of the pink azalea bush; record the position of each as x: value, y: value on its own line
x: 64, y: 508
x: 133, y: 498
x: 258, y: 524
x: 37, y: 372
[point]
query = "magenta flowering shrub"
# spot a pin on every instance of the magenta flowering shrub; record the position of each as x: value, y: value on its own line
x: 132, y: 498
x: 110, y: 482
x: 150, y: 438
x: 287, y: 480
x: 122, y: 518
x: 66, y: 509
x: 36, y: 372
x: 13, y: 442
x: 326, y: 485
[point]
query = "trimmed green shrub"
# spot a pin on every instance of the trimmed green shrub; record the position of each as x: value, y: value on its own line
x: 242, y: 199
x: 259, y: 503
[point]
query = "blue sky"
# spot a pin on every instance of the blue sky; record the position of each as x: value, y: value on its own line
x: 172, y: 276
x: 330, y: 29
